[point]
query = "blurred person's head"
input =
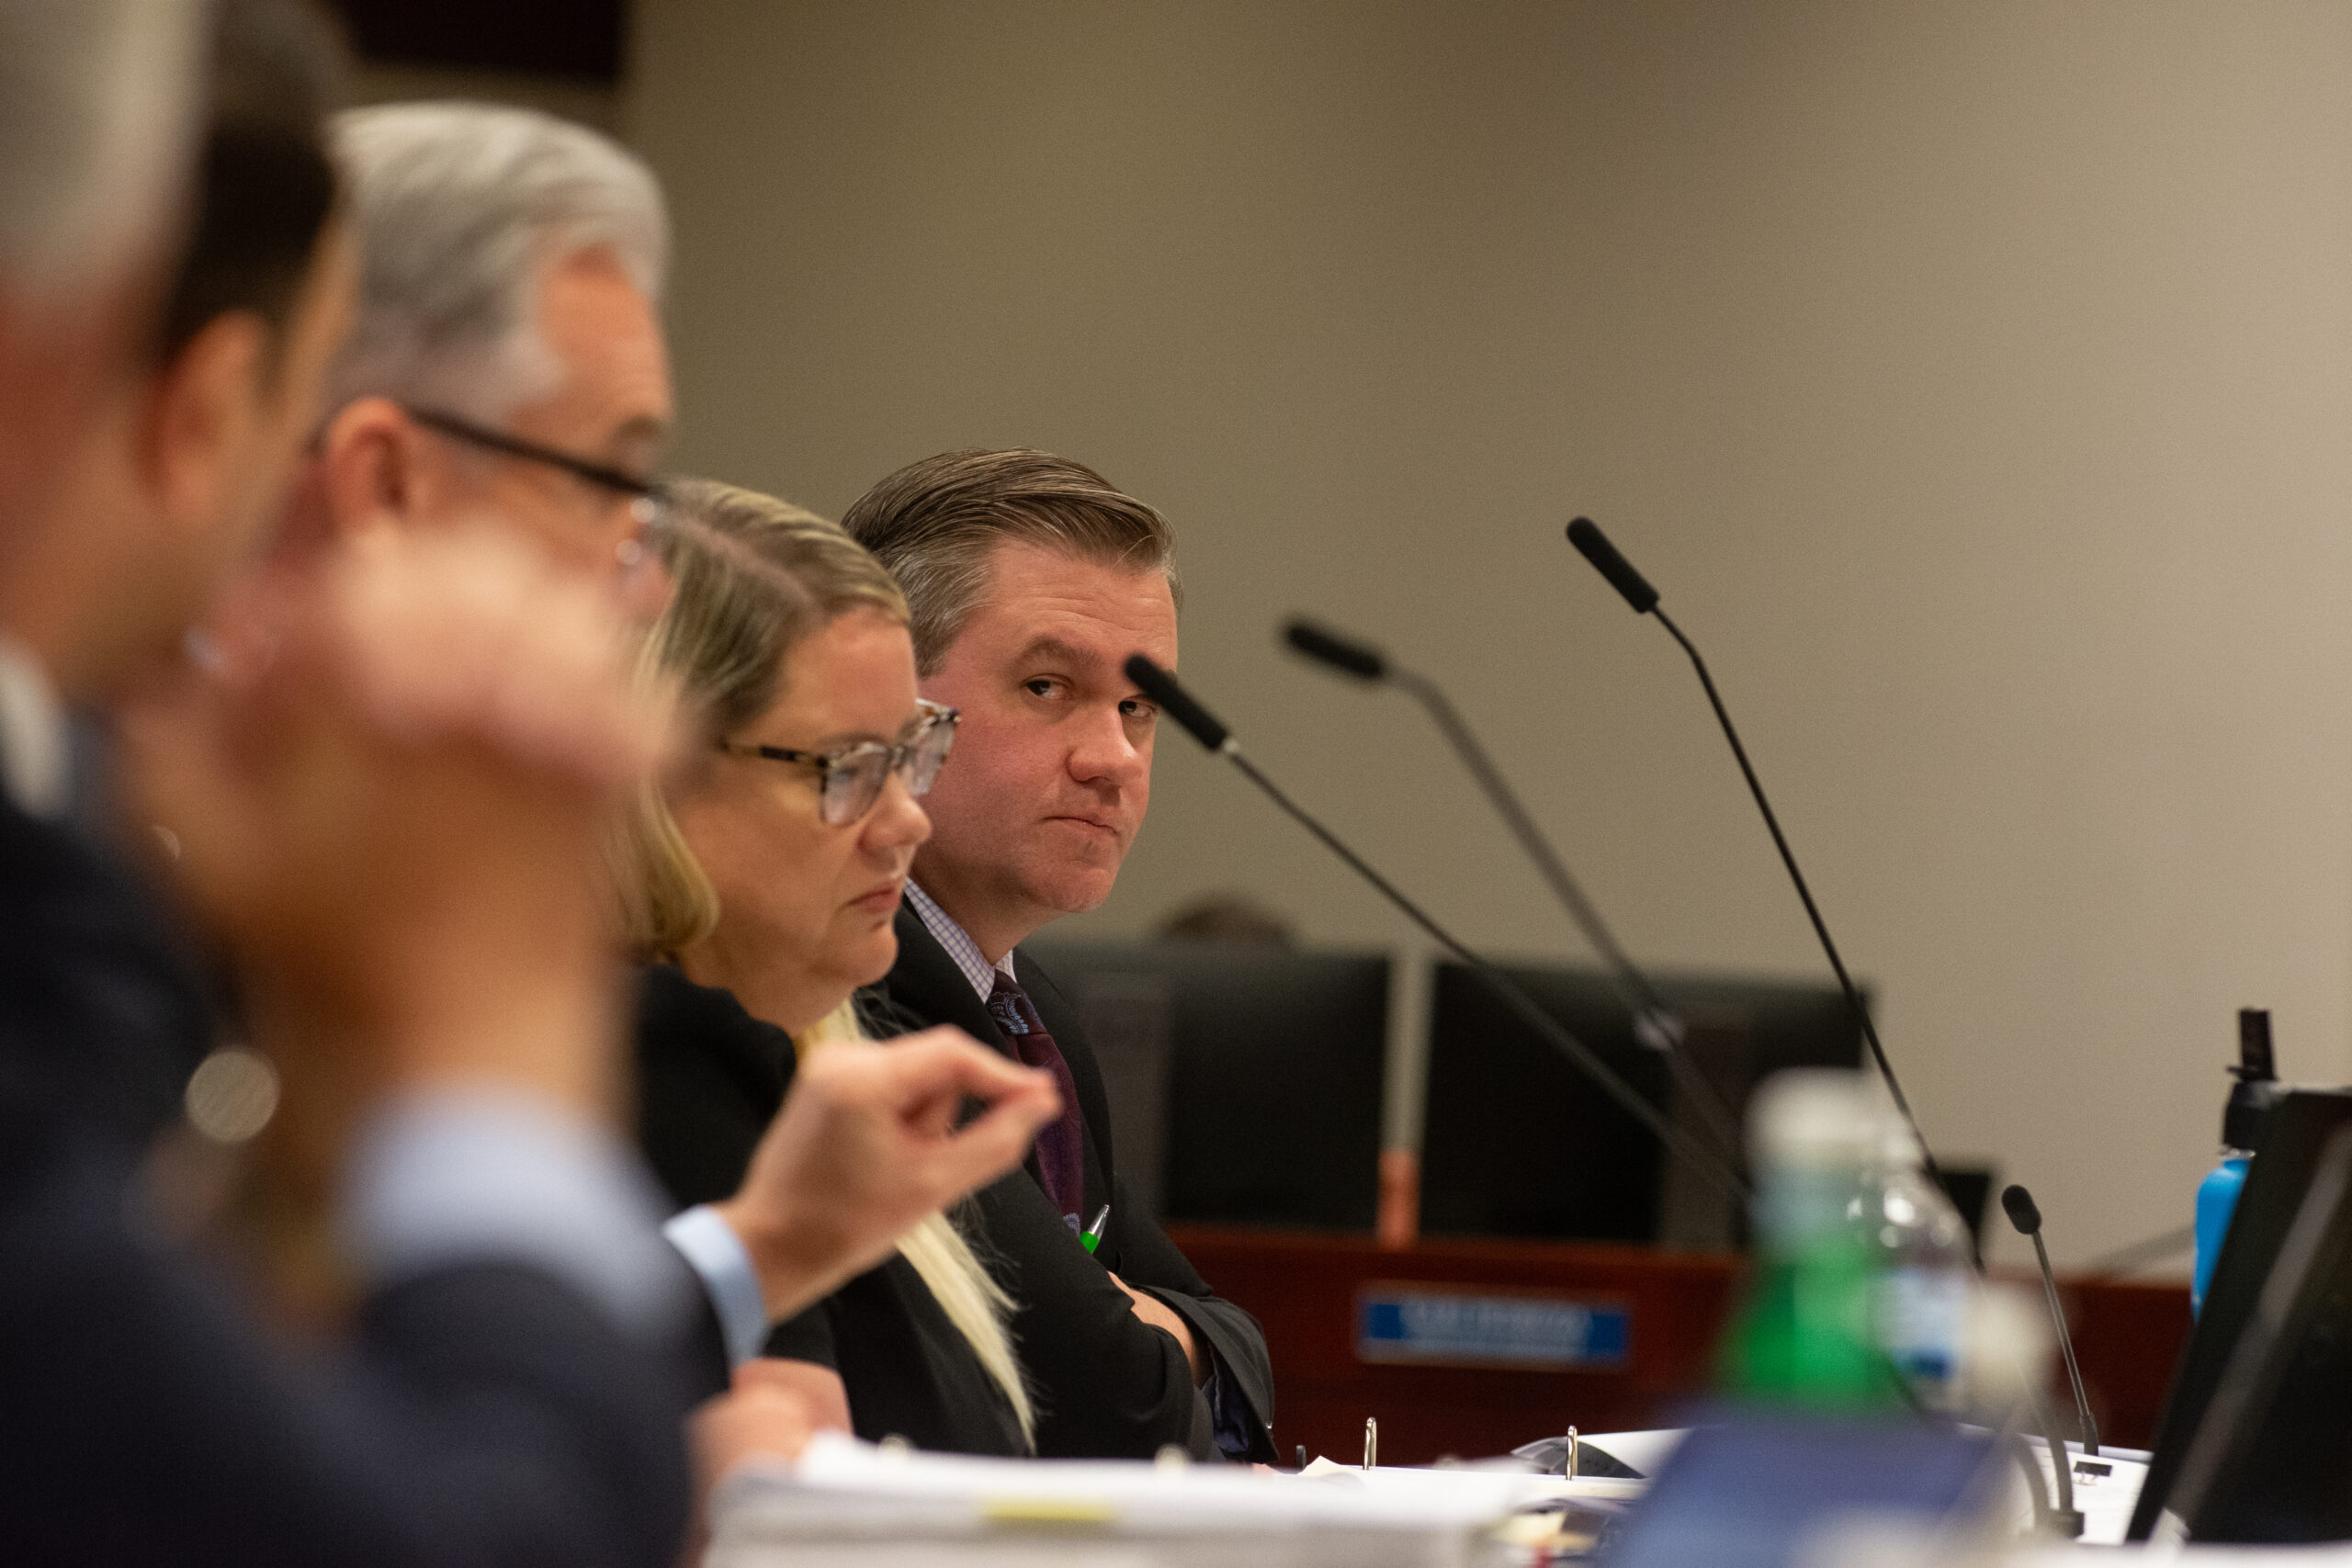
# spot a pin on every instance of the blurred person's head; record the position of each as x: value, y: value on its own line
x: 173, y: 483
x: 776, y: 876
x: 1031, y: 579
x: 508, y: 360
x: 95, y: 97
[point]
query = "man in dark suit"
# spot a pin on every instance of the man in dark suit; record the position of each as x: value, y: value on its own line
x: 147, y: 1418
x: 1031, y: 581
x: 388, y: 782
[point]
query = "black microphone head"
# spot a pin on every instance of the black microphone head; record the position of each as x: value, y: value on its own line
x: 2018, y: 1203
x: 1594, y: 546
x: 1350, y: 658
x: 1176, y: 702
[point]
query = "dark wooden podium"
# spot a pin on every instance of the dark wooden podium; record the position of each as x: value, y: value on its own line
x: 1654, y: 1319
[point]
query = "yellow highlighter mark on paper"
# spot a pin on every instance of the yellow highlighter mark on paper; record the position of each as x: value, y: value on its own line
x: 1047, y: 1511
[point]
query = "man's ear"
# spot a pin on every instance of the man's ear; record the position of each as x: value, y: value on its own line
x: 369, y: 466
x: 205, y: 407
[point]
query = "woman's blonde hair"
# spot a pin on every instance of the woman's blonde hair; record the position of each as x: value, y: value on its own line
x: 751, y: 576
x: 964, y: 1289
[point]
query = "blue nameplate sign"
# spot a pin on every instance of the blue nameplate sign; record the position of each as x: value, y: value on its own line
x: 1451, y: 1328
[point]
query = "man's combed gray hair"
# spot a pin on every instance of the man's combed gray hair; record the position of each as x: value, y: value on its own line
x: 97, y: 105
x: 461, y: 209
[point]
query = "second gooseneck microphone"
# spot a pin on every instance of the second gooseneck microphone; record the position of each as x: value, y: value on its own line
x: 1352, y: 657
x: 1594, y: 546
x: 1654, y: 1022
x: 1204, y: 727
x: 2025, y: 1215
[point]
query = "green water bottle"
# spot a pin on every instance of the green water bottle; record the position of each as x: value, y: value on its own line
x: 1803, y: 1334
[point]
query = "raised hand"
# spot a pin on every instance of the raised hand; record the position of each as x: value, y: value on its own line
x: 389, y: 782
x: 866, y: 1145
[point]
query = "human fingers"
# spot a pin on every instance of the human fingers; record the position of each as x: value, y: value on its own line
x: 820, y: 1388
x: 949, y: 1163
x: 858, y: 1155
x: 948, y: 1064
x: 938, y: 1080
x: 466, y: 632
x: 760, y: 1422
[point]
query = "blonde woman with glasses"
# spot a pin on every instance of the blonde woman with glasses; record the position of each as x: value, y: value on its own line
x: 761, y: 883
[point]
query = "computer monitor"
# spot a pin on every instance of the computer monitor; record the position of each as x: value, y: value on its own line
x: 1245, y: 1079
x: 2277, y: 1183
x: 1517, y: 1142
x: 2271, y: 1459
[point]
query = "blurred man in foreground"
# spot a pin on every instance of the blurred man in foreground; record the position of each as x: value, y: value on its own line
x: 390, y: 772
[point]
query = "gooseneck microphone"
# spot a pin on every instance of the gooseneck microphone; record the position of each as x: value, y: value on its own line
x: 1343, y: 654
x: 1352, y: 657
x: 1654, y: 1022
x: 1197, y: 721
x: 2025, y: 1215
x: 1594, y: 546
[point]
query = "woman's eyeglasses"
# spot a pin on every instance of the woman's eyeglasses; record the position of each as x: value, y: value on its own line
x: 849, y: 781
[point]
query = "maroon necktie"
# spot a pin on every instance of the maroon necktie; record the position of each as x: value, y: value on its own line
x: 1057, y: 1161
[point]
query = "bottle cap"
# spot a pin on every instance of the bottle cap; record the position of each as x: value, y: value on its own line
x: 1814, y: 1116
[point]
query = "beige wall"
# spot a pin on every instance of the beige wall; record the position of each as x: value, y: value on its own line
x: 1975, y: 379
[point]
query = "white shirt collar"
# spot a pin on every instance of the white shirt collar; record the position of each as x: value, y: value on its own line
x: 958, y: 944
x: 36, y: 764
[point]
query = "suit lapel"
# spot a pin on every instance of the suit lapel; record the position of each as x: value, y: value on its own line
x: 925, y: 987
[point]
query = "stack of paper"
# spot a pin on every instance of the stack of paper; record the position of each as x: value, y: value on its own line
x: 849, y: 1504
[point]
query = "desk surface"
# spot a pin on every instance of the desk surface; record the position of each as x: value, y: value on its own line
x: 1308, y: 1290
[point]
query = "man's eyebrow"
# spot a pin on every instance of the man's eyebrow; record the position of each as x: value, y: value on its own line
x: 1055, y: 648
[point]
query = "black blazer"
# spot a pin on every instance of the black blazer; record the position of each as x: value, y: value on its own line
x: 1115, y: 1386
x: 485, y: 1413
x: 710, y: 1077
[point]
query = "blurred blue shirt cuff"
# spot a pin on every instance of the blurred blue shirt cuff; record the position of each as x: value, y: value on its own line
x: 716, y: 1253
x: 482, y: 1175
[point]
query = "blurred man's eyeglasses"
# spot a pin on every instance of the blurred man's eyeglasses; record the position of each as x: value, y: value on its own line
x: 489, y: 440
x: 644, y: 492
x: 849, y: 781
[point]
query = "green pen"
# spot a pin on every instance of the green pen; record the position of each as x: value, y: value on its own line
x: 1092, y: 1235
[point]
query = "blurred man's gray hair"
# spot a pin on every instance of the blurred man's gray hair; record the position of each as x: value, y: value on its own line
x: 97, y: 105
x: 462, y: 209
